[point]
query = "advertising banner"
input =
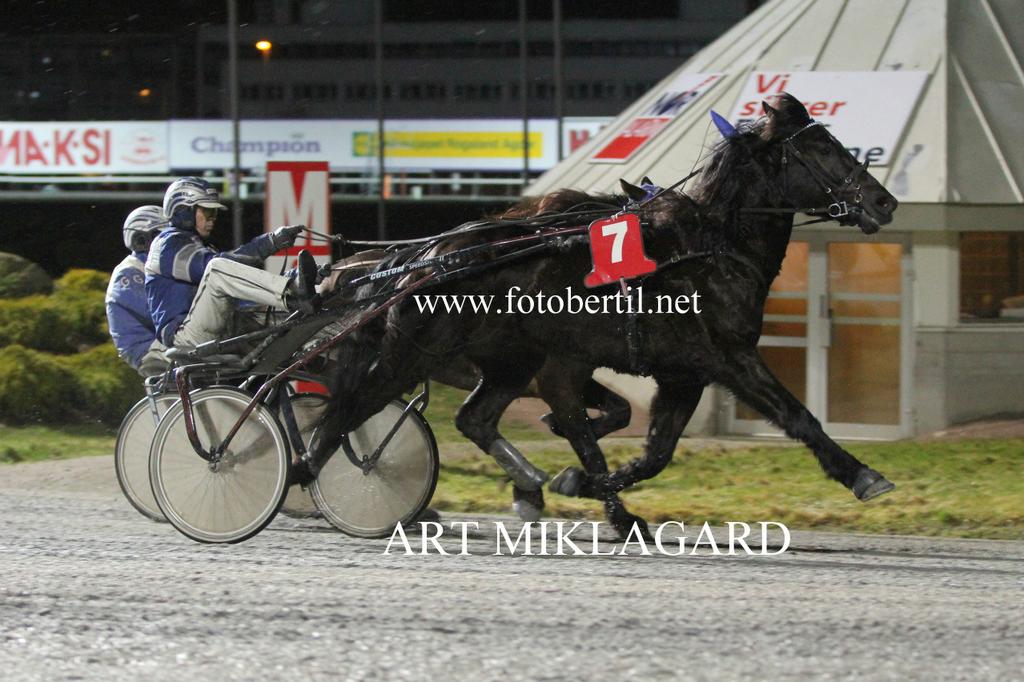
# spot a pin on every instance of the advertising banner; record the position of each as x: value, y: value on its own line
x: 578, y: 130
x: 77, y: 147
x: 867, y: 110
x: 298, y: 193
x: 204, y: 144
x: 158, y: 147
x: 678, y: 95
x: 460, y: 144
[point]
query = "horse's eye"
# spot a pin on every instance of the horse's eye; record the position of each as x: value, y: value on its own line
x: 827, y: 151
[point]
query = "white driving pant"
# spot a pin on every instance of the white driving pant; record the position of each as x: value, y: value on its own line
x: 153, y: 362
x: 224, y: 284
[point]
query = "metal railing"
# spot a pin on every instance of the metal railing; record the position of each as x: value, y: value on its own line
x: 401, y: 187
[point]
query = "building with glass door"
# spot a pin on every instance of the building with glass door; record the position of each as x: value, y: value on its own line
x: 921, y: 325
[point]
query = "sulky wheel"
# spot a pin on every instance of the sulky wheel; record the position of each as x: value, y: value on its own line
x: 396, y: 489
x: 131, y: 454
x: 307, y: 407
x: 230, y: 500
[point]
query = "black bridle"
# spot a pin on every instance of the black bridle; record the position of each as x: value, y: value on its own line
x: 838, y: 192
x: 847, y: 197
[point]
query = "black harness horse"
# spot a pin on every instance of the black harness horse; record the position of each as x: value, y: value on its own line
x: 739, y: 219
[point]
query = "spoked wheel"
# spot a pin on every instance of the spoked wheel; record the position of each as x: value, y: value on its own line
x: 396, y: 489
x: 307, y: 407
x: 235, y: 498
x: 131, y: 454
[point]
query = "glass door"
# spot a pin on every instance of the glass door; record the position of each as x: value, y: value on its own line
x: 863, y: 355
x: 837, y: 335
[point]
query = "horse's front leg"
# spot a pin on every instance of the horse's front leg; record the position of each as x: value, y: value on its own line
x: 478, y: 418
x: 751, y: 381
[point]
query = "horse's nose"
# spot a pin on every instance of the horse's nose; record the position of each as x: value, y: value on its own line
x: 887, y: 203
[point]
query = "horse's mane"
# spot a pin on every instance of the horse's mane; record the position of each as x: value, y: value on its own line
x: 733, y: 175
x: 559, y: 201
x: 729, y: 176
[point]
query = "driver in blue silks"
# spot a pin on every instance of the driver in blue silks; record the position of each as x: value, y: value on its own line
x: 193, y: 289
x: 131, y: 328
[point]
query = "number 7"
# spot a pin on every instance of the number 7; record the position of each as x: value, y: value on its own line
x: 619, y: 231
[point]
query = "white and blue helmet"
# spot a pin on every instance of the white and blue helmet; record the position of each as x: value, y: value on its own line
x: 141, y: 226
x: 183, y: 195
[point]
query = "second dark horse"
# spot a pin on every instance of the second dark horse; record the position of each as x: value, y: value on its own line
x: 741, y: 212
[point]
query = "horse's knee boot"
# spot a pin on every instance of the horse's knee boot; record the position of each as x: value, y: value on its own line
x: 524, y: 474
x: 567, y: 482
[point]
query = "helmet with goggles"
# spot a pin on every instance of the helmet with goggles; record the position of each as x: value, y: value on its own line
x: 184, y: 195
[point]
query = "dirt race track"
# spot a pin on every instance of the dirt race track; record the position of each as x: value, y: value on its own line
x: 91, y: 590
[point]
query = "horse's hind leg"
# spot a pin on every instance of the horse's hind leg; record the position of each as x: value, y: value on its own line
x: 671, y: 410
x: 563, y: 395
x: 615, y: 410
x: 750, y: 380
x: 478, y: 417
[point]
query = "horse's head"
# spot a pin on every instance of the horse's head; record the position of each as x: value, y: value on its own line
x: 817, y: 170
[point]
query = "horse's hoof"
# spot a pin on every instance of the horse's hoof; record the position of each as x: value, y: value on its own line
x: 567, y: 482
x: 521, y: 471
x: 429, y: 515
x: 552, y: 425
x: 869, y: 484
x: 632, y: 525
x: 527, y: 504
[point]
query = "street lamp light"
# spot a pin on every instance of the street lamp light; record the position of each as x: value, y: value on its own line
x: 264, y: 46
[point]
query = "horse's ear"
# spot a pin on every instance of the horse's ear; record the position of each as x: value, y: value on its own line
x: 646, y: 181
x: 769, y: 110
x: 632, y: 191
x: 724, y: 127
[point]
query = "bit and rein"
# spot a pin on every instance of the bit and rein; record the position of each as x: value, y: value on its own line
x: 838, y: 192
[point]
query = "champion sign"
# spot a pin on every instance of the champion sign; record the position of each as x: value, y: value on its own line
x: 269, y: 148
x: 68, y: 148
x: 208, y: 144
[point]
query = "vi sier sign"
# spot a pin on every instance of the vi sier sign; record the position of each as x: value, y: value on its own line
x: 848, y: 102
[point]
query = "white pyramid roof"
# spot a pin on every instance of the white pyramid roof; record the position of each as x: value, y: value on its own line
x: 963, y: 143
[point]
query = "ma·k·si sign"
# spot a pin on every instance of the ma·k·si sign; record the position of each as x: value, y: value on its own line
x: 83, y: 147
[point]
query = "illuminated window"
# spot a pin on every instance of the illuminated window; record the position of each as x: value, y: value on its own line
x: 991, y: 277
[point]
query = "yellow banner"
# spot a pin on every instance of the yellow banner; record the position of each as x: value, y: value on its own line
x: 424, y: 144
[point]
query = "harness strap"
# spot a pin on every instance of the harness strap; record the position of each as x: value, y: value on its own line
x: 634, y: 335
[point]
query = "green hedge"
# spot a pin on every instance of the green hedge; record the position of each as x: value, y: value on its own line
x: 104, y: 386
x: 58, y: 389
x: 71, y: 319
x: 79, y: 280
x: 57, y: 364
x: 21, y: 277
x: 34, y: 387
